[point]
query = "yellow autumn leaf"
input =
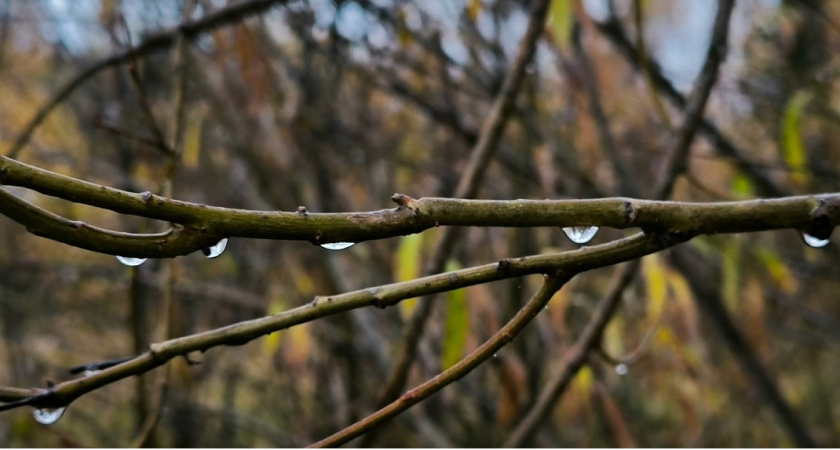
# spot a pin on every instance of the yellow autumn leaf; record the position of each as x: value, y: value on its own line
x: 777, y: 269
x: 473, y: 8
x: 192, y: 142
x: 560, y: 19
x: 654, y: 274
x: 407, y: 266
x: 457, y: 323
x: 792, y: 145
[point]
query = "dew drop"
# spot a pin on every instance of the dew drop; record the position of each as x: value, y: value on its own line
x: 338, y: 245
x: 217, y: 249
x: 91, y: 372
x: 131, y: 262
x: 814, y: 242
x: 48, y: 416
x: 495, y: 355
x: 622, y: 369
x: 580, y: 235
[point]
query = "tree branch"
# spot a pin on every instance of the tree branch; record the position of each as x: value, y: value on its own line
x: 569, y: 263
x: 462, y: 368
x: 678, y: 153
x: 575, y: 357
x: 482, y: 152
x: 203, y: 226
x: 709, y: 301
x: 153, y: 43
x: 614, y: 32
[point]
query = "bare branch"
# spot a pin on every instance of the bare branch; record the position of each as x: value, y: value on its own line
x: 462, y: 368
x: 155, y: 42
x: 203, y: 226
x: 567, y: 263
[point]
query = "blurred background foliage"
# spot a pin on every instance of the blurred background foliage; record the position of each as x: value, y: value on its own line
x: 335, y: 105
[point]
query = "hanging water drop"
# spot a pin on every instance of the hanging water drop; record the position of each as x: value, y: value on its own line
x: 217, y: 249
x: 580, y: 235
x: 622, y: 369
x: 131, y: 262
x: 338, y: 245
x: 48, y: 416
x: 814, y: 242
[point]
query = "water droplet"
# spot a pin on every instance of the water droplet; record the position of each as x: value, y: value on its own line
x: 91, y: 372
x: 622, y: 369
x: 217, y: 249
x: 495, y: 355
x: 338, y: 245
x: 131, y: 262
x: 814, y: 242
x: 48, y: 416
x: 580, y: 235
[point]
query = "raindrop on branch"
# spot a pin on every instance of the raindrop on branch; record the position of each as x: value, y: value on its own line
x: 131, y: 262
x: 580, y: 235
x: 217, y: 249
x: 338, y: 245
x: 622, y: 369
x: 814, y: 242
x: 48, y: 416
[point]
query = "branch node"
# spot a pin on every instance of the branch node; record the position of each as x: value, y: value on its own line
x: 630, y: 213
x: 824, y: 219
x: 504, y: 264
x: 147, y: 198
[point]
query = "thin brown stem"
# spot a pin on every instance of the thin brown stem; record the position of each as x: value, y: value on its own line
x: 590, y: 339
x: 568, y: 263
x: 574, y: 358
x: 155, y: 42
x: 462, y: 368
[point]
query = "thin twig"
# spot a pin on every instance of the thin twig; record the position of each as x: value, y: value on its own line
x: 613, y: 30
x: 482, y: 152
x: 696, y: 104
x: 147, y: 431
x: 155, y: 42
x: 590, y: 339
x: 569, y: 263
x: 627, y: 184
x: 701, y: 278
x: 574, y: 358
x: 143, y: 99
x: 485, y: 351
